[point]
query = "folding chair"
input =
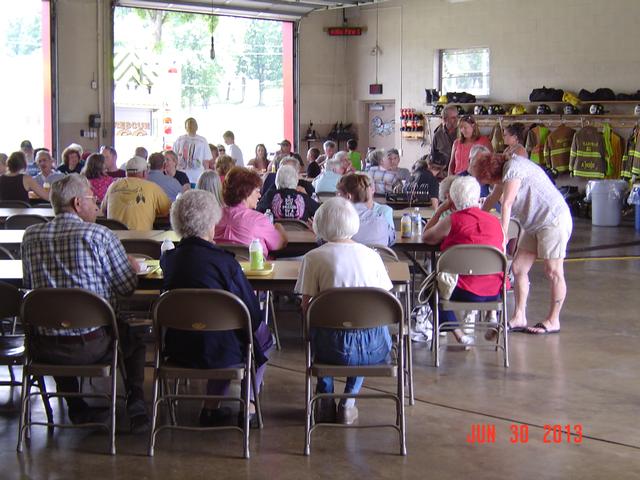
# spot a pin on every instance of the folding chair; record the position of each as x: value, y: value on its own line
x: 111, y: 224
x: 473, y: 260
x: 242, y: 255
x: 201, y: 310
x: 354, y: 308
x: 291, y: 224
x: 388, y: 255
x: 50, y: 308
x: 22, y: 221
x: 12, y: 344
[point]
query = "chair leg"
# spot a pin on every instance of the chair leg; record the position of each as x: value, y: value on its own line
x: 24, y: 407
x: 154, y: 415
x: 400, y: 404
x: 409, y: 358
x: 505, y: 335
x: 47, y: 404
x: 112, y: 420
x: 247, y: 401
x: 256, y: 394
x: 436, y: 332
x: 274, y: 320
x: 308, y: 409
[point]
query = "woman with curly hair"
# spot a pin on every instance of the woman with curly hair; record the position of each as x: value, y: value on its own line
x: 240, y: 222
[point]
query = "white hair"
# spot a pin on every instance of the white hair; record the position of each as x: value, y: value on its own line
x: 336, y: 219
x: 334, y: 164
x: 445, y: 186
x: 448, y: 109
x: 475, y: 151
x: 465, y: 192
x: 43, y: 153
x: 329, y: 143
x: 287, y: 177
x: 195, y: 213
x: 66, y: 189
x: 375, y: 158
x: 291, y: 161
x: 342, y: 156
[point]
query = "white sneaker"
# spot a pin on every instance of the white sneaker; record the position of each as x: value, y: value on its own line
x: 466, y: 340
x: 347, y: 415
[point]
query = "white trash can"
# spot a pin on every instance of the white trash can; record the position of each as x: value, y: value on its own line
x: 606, y: 201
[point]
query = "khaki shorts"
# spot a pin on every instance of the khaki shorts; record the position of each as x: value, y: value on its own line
x: 550, y: 241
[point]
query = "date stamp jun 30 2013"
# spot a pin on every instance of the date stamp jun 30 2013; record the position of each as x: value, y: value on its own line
x: 552, y: 433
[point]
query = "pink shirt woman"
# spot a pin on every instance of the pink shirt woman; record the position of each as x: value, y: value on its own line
x: 240, y: 223
x: 96, y: 172
x: 469, y: 136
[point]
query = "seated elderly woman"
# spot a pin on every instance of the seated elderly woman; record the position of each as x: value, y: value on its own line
x: 197, y: 262
x: 240, y: 223
x: 286, y: 201
x: 16, y: 185
x: 342, y: 263
x: 209, y: 180
x: 387, y: 176
x: 468, y: 225
x: 327, y: 180
x: 269, y: 181
x: 374, y: 227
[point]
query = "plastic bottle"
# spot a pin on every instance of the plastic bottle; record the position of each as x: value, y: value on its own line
x: 417, y: 221
x: 269, y: 215
x: 256, y: 257
x: 166, y: 245
x: 405, y: 226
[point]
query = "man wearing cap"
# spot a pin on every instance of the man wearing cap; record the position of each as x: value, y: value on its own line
x: 285, y: 151
x: 27, y: 149
x: 134, y: 200
x: 193, y: 151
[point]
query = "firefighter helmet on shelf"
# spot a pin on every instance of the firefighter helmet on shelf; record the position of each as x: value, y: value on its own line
x: 495, y: 110
x: 596, y: 109
x: 439, y: 109
x: 570, y: 110
x: 460, y: 110
x: 443, y: 99
x: 636, y: 110
x: 543, y: 109
x: 479, y: 110
x: 518, y: 110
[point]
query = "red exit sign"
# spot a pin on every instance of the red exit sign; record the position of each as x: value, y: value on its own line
x: 345, y: 31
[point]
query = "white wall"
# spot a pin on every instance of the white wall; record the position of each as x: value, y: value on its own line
x: 569, y: 44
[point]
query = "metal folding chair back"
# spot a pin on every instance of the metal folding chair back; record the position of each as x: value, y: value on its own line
x: 11, y: 344
x: 147, y: 248
x: 473, y: 260
x: 22, y: 221
x: 201, y: 310
x: 111, y: 224
x: 240, y: 251
x: 5, y: 254
x: 50, y: 308
x: 386, y: 254
x: 292, y: 224
x: 355, y: 308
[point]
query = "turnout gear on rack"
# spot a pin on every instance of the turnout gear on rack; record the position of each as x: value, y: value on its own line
x: 613, y: 151
x: 536, y: 138
x: 631, y: 158
x: 587, y: 157
x: 497, y: 140
x: 557, y: 148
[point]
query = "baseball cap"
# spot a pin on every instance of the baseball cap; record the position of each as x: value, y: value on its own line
x: 26, y: 144
x: 285, y: 142
x: 136, y: 164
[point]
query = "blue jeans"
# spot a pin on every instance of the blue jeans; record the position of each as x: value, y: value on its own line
x: 460, y: 295
x: 367, y: 346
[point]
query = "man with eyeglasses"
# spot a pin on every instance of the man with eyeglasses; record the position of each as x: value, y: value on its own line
x: 72, y: 251
x: 445, y: 134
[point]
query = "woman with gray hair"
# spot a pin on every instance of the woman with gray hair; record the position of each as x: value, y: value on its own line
x: 327, y: 180
x: 197, y: 262
x: 467, y: 225
x: 286, y: 200
x: 341, y: 262
x: 209, y: 181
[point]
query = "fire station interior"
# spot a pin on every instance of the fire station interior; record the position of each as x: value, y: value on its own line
x: 567, y: 405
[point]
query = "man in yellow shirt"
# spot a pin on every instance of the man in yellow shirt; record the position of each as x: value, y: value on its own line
x: 135, y: 201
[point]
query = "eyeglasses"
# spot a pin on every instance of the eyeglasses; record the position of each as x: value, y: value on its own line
x: 92, y: 197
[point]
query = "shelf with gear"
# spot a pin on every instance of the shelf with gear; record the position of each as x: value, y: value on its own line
x: 341, y: 132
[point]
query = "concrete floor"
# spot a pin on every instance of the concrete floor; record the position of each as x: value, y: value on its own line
x: 586, y: 375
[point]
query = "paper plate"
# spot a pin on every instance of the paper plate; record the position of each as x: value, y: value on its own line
x: 267, y: 270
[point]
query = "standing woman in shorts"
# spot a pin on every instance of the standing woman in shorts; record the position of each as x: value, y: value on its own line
x: 527, y: 194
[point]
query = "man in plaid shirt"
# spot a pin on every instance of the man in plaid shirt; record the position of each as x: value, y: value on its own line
x: 72, y: 251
